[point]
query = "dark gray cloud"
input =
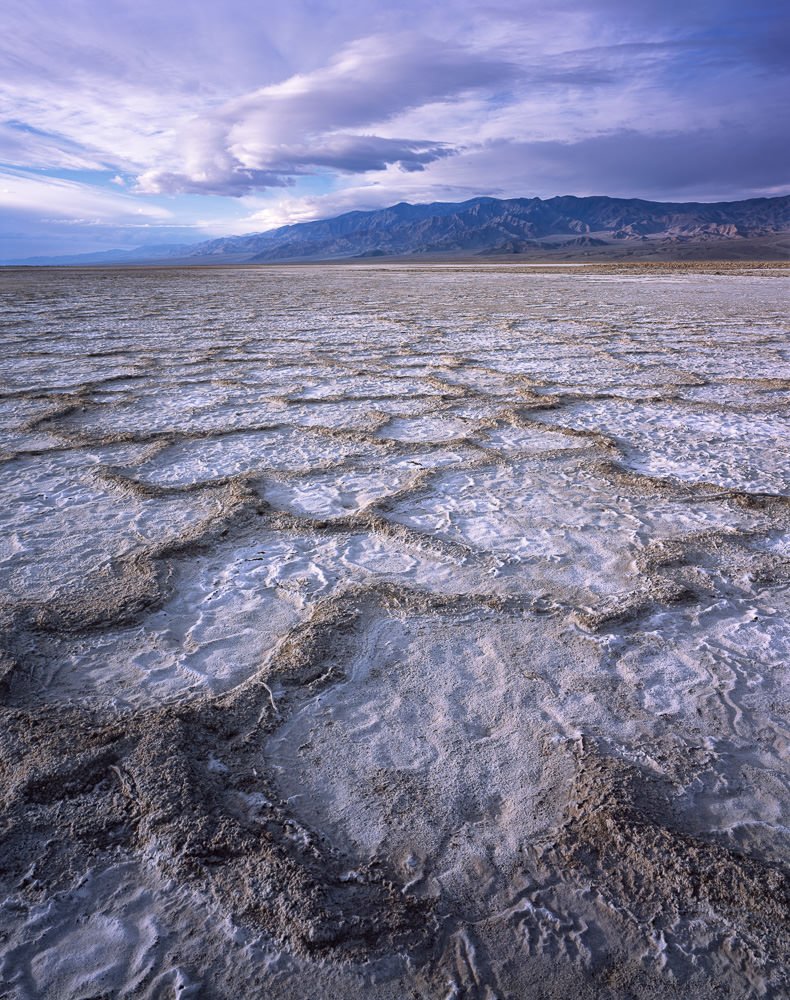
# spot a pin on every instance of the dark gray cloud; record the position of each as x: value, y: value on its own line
x: 704, y: 164
x: 362, y: 153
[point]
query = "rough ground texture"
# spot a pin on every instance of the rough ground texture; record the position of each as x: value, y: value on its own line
x: 394, y: 633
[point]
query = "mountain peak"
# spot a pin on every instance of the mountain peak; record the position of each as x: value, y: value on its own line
x: 562, y: 226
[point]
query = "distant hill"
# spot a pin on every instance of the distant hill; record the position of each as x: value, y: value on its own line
x: 562, y: 227
x: 150, y: 253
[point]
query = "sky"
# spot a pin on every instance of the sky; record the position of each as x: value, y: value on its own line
x: 127, y: 124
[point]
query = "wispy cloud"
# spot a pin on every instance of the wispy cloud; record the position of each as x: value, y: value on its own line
x: 222, y: 111
x: 52, y: 196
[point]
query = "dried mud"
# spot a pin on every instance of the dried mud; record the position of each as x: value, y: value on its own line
x: 394, y: 633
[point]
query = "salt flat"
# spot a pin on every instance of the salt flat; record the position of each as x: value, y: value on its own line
x: 394, y: 632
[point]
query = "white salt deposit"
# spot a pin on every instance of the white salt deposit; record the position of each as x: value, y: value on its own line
x: 400, y: 631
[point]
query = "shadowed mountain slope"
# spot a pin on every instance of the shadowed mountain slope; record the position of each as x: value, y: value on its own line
x: 566, y: 226
x: 493, y: 226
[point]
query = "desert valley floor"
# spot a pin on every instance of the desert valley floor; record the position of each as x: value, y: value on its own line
x: 394, y: 632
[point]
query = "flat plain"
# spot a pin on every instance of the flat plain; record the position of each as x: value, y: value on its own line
x: 394, y: 631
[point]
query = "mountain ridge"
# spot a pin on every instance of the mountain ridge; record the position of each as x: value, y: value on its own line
x: 487, y: 226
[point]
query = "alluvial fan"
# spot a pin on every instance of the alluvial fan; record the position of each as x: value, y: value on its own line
x: 394, y: 632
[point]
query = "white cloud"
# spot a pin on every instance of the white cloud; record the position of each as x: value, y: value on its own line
x: 50, y: 196
x: 322, y: 119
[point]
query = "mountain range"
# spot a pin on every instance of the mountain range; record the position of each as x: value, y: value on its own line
x: 565, y: 227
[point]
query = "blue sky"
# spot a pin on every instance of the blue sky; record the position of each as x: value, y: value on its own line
x: 126, y: 124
